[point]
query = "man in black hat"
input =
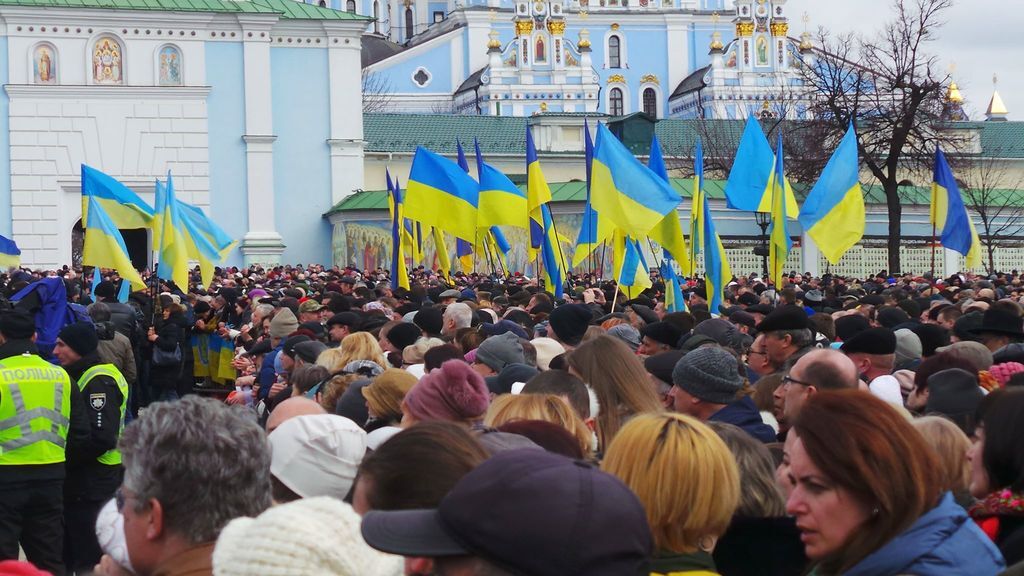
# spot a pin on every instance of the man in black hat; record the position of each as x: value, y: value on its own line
x: 786, y: 331
x: 32, y: 465
x: 125, y: 319
x: 874, y: 353
x: 546, y: 515
x: 999, y: 328
x: 340, y: 325
x: 658, y: 337
x: 94, y: 472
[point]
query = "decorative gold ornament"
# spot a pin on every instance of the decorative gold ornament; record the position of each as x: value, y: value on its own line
x: 493, y: 43
x: 953, y: 94
x: 780, y: 29
x: 650, y: 79
x: 524, y: 27
x: 616, y: 79
x: 716, y: 41
x: 805, y: 42
x: 543, y: 106
x: 584, y: 43
x: 556, y: 27
x: 615, y: 26
x: 745, y: 29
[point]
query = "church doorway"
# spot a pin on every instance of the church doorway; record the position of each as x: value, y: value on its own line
x: 135, y: 239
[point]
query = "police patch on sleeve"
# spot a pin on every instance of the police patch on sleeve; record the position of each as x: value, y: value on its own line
x: 98, y: 401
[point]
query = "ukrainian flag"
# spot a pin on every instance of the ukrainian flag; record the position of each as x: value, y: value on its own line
x: 717, y: 273
x: 833, y: 213
x: 214, y: 234
x: 632, y: 197
x: 537, y: 194
x: 554, y: 269
x: 501, y: 201
x: 696, y: 210
x: 10, y: 255
x: 442, y: 195
x: 750, y: 181
x: 674, y: 301
x: 167, y: 234
x: 200, y: 354
x: 199, y: 248
x: 464, y: 254
x: 399, y: 273
x: 780, y: 242
x: 668, y: 233
x: 123, y: 207
x: 594, y: 230
x: 104, y: 247
x: 444, y: 263
x: 634, y: 276
x: 949, y: 215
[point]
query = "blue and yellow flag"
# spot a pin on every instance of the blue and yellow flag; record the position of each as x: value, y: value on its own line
x: 750, y: 181
x: 554, y: 269
x: 169, y: 241
x: 833, y: 212
x: 949, y: 215
x: 399, y: 272
x: 625, y: 191
x: 668, y: 233
x: 633, y: 275
x: 674, y: 300
x: 501, y: 203
x: 780, y: 242
x: 697, y: 199
x: 204, y: 226
x: 717, y: 273
x: 537, y: 194
x: 199, y: 248
x: 10, y: 255
x: 594, y: 230
x: 444, y: 263
x: 123, y: 207
x: 442, y: 195
x: 104, y: 247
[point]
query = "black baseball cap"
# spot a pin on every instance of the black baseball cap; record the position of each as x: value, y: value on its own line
x: 530, y: 512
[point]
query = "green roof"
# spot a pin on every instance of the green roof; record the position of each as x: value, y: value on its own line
x: 576, y: 191
x: 392, y: 132
x: 286, y: 9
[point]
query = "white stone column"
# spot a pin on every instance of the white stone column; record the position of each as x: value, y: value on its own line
x: 346, y: 141
x: 261, y: 243
x: 810, y: 256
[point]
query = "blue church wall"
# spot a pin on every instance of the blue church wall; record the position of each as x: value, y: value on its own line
x: 226, y: 111
x: 437, y: 61
x: 302, y: 169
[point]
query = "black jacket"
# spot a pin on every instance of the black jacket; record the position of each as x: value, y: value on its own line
x: 761, y: 546
x: 125, y: 320
x: 1010, y: 538
x: 100, y: 402
x: 170, y: 335
x: 78, y: 429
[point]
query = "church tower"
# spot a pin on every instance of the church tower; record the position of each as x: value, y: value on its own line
x: 761, y: 28
x: 539, y: 29
x: 996, y: 111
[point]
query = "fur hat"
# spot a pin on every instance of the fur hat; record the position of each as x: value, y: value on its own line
x: 452, y: 392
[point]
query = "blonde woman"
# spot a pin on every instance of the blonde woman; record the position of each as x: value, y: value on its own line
x: 332, y: 359
x: 619, y: 381
x: 653, y: 451
x: 362, y: 346
x: 547, y: 407
x: 951, y: 445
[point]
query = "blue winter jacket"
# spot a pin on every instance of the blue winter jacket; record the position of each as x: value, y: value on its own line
x: 943, y: 542
x: 744, y: 413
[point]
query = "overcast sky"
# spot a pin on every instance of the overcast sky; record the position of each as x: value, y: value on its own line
x: 981, y: 37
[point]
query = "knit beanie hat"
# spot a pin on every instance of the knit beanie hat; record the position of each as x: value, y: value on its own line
x: 453, y: 392
x: 283, y: 323
x: 17, y: 325
x: 1004, y: 371
x: 908, y: 349
x: 80, y: 337
x: 510, y: 375
x: 710, y: 374
x: 570, y: 322
x: 499, y: 351
x: 308, y: 536
x: 547, y: 349
x: 384, y: 395
x: 317, y: 454
x: 404, y: 334
x: 430, y: 320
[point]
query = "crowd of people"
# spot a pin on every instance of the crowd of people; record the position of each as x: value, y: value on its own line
x: 310, y: 420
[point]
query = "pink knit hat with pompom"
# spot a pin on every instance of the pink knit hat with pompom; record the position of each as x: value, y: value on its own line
x: 1002, y: 372
x: 452, y: 392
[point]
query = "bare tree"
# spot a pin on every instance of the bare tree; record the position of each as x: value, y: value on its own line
x: 892, y: 90
x: 992, y: 190
x: 376, y: 92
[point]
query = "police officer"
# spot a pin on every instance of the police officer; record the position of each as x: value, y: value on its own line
x: 39, y: 417
x: 94, y: 471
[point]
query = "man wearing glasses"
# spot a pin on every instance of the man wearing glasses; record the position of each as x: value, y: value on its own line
x: 820, y: 369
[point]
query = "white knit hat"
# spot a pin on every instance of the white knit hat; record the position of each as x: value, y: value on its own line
x: 311, y: 536
x: 317, y: 454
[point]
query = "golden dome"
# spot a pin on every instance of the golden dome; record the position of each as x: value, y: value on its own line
x: 494, y: 43
x: 953, y: 94
x: 805, y: 41
x: 716, y: 41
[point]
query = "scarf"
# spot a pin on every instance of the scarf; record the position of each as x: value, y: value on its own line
x: 986, y: 513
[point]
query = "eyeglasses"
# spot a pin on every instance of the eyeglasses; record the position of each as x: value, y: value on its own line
x: 787, y: 379
x: 752, y: 352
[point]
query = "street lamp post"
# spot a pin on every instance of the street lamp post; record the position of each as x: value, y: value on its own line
x: 763, y: 219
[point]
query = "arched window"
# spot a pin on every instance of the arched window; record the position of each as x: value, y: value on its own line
x: 408, y: 23
x: 350, y: 5
x: 322, y: 4
x: 376, y: 17
x: 614, y: 52
x: 107, y: 61
x: 44, y: 64
x: 615, y: 105
x: 650, y: 99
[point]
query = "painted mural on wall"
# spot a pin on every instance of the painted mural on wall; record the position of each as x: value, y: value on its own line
x: 44, y: 65
x: 107, y: 62
x: 170, y: 66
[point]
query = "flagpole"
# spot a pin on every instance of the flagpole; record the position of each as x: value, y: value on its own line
x: 933, y: 254
x: 604, y: 254
x: 558, y: 243
x: 775, y: 276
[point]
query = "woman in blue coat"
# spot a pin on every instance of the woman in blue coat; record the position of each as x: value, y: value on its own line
x: 866, y: 498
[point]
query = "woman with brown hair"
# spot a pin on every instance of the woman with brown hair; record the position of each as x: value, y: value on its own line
x: 866, y: 497
x: 619, y: 381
